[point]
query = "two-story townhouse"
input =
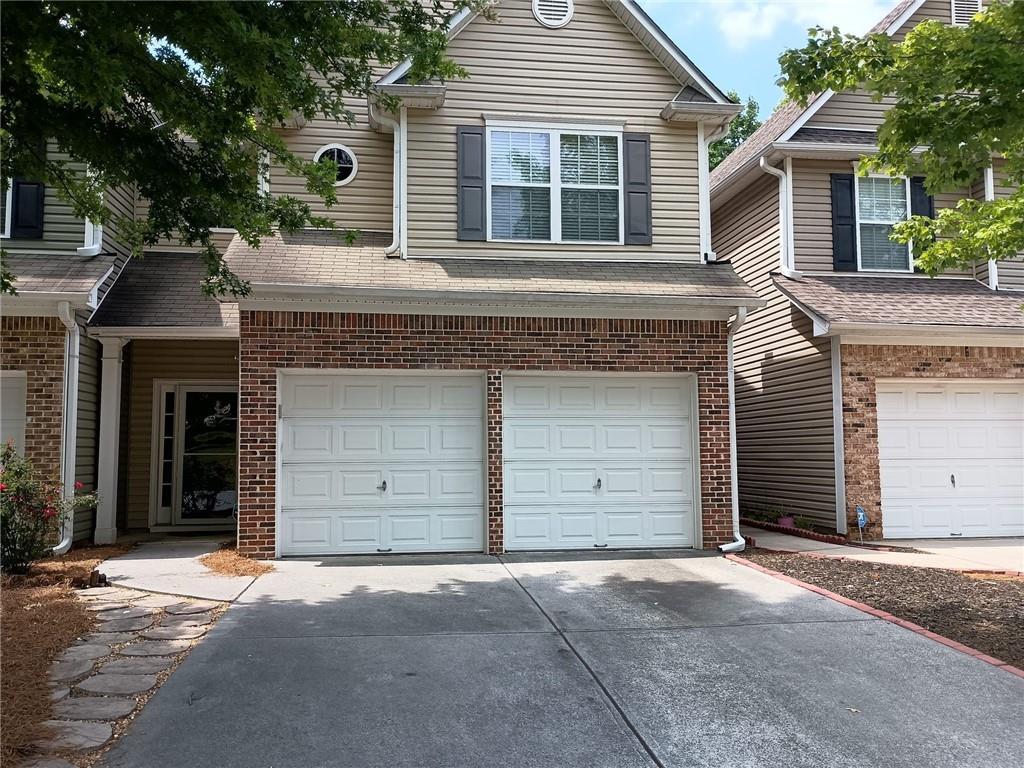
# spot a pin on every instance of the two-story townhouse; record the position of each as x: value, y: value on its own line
x: 526, y: 347
x: 862, y: 384
x: 64, y: 266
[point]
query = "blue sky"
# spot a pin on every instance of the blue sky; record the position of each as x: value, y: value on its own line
x: 737, y: 42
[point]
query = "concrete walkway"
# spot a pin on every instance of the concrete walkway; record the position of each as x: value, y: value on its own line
x: 595, y: 660
x: 959, y: 554
x: 173, y: 568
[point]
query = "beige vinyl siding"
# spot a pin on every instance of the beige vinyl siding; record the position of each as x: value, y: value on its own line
x: 1011, y: 273
x: 88, y: 427
x: 812, y: 212
x: 120, y: 201
x: 366, y: 202
x: 221, y: 238
x: 593, y: 69
x: 177, y: 360
x: 933, y: 10
x: 783, y: 374
x: 63, y: 232
x: 854, y: 110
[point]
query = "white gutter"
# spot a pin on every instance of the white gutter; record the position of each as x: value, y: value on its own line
x: 69, y: 421
x: 785, y: 220
x: 990, y: 195
x: 738, y: 544
x: 403, y: 183
x: 703, y: 195
x: 397, y: 155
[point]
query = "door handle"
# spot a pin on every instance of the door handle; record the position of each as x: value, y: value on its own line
x: 598, y: 484
x: 952, y: 479
x: 383, y: 487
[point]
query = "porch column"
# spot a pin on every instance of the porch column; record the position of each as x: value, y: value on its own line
x: 110, y: 430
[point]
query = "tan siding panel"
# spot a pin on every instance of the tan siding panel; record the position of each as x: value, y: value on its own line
x: 519, y: 66
x: 783, y: 374
x: 178, y: 360
x: 88, y: 427
x: 63, y: 232
x: 851, y: 110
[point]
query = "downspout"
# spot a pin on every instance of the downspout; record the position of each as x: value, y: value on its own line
x: 786, y: 264
x: 69, y: 425
x: 397, y: 155
x: 738, y: 544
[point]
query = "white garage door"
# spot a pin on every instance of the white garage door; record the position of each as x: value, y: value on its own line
x: 598, y: 462
x: 951, y: 457
x: 382, y: 463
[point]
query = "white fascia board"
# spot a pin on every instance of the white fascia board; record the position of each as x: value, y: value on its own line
x: 164, y: 332
x: 870, y: 334
x: 457, y: 23
x: 417, y: 96
x: 663, y: 46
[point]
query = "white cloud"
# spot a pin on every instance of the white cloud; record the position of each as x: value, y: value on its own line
x: 745, y: 21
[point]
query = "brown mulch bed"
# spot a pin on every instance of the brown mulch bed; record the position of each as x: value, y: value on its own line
x: 40, y: 618
x: 980, y: 611
x: 227, y: 562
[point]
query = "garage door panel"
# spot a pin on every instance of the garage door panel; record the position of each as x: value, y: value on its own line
x: 526, y: 483
x: 643, y: 525
x: 532, y: 438
x: 593, y: 396
x: 950, y: 458
x: 313, y: 395
x: 330, y: 440
x: 360, y: 486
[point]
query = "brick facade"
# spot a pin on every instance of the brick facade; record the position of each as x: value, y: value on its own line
x: 325, y: 340
x: 862, y: 365
x: 36, y: 345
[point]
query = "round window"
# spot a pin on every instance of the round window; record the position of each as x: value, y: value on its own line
x: 342, y: 158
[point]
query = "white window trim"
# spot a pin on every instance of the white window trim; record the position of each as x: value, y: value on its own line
x: 355, y: 161
x: 859, y: 220
x: 8, y: 202
x: 554, y: 132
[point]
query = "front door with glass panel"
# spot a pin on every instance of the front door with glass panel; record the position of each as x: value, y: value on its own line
x: 200, y: 455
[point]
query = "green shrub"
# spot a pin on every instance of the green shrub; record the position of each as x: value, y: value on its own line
x: 32, y: 510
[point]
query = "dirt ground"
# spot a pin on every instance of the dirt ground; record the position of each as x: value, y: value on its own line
x: 228, y: 562
x: 980, y: 611
x: 40, y: 618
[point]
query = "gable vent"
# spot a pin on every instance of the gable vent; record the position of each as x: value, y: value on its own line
x: 964, y: 10
x: 553, y: 13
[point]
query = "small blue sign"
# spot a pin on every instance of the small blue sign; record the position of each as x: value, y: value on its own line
x: 862, y: 518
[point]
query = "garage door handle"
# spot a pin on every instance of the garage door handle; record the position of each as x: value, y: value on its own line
x: 598, y: 485
x: 383, y: 487
x: 952, y: 479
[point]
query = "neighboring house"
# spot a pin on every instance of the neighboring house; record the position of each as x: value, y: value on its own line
x: 525, y: 347
x: 863, y: 384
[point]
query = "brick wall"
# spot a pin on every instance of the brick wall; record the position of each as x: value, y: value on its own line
x: 862, y: 365
x: 36, y: 345
x: 272, y: 340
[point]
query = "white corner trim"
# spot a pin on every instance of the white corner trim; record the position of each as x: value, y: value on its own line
x: 703, y: 195
x: 838, y: 446
x: 109, y: 438
x: 8, y: 203
x: 403, y: 182
x: 990, y: 195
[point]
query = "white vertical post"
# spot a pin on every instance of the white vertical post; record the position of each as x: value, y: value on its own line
x: 110, y: 432
x: 990, y: 194
x: 703, y: 195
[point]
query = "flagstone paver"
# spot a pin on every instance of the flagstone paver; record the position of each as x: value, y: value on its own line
x: 141, y: 665
x: 158, y: 601
x: 156, y: 648
x: 94, y: 708
x: 85, y: 652
x: 126, y: 625
x: 70, y: 670
x: 187, y: 620
x: 99, y: 605
x: 192, y: 606
x: 74, y: 736
x: 59, y: 693
x: 109, y: 638
x: 174, y: 632
x: 131, y: 612
x: 118, y: 685
x: 47, y: 762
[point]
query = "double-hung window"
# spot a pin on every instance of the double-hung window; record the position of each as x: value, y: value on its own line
x: 555, y: 185
x: 882, y: 202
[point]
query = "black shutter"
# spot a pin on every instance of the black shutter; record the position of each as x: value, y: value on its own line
x: 472, y: 181
x: 844, y: 223
x: 27, y: 209
x: 921, y: 203
x: 636, y: 156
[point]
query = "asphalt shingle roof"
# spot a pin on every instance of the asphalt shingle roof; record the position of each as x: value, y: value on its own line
x: 835, y: 136
x: 908, y: 300
x: 319, y: 259
x: 163, y: 289
x: 64, y: 273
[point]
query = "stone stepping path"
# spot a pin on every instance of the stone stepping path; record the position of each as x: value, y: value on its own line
x: 70, y: 736
x: 143, y: 665
x: 85, y: 652
x: 174, y: 632
x: 94, y: 708
x: 156, y: 648
x: 117, y: 685
x: 139, y: 636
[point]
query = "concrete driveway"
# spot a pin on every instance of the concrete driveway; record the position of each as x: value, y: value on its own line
x: 601, y: 661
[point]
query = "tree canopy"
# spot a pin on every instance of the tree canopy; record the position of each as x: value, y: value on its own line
x: 958, y: 103
x: 180, y: 100
x: 744, y: 124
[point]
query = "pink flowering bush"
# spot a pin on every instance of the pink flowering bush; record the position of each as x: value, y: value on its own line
x: 32, y: 510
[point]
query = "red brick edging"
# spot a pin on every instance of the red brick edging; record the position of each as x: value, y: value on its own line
x: 828, y: 538
x: 879, y: 614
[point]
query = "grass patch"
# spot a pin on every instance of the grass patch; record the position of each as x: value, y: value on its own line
x: 40, y: 618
